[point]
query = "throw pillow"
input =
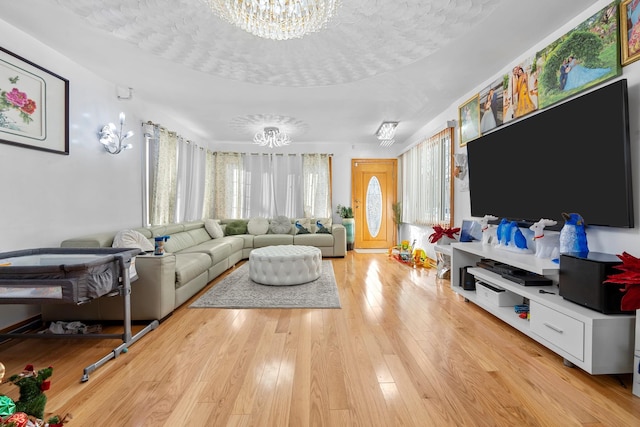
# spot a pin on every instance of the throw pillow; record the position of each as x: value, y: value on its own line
x: 280, y: 225
x: 303, y: 226
x: 213, y: 228
x: 132, y: 239
x: 236, y: 227
x: 323, y: 225
x: 258, y: 226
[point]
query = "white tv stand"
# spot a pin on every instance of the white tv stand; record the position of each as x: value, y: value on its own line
x: 595, y: 342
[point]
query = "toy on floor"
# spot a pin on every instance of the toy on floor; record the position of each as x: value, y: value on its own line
x: 32, y: 387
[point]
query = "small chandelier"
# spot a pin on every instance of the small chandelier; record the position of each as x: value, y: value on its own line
x: 386, y: 133
x: 113, y: 139
x: 272, y: 137
x: 276, y: 19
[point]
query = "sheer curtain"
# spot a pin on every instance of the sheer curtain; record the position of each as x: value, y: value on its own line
x: 274, y: 185
x: 180, y: 174
x: 426, y: 181
x: 163, y: 170
x: 316, y: 170
x: 209, y: 188
x: 229, y: 185
x: 267, y: 185
x: 191, y: 173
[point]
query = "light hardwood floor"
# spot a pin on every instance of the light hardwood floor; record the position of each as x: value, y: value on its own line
x: 403, y: 350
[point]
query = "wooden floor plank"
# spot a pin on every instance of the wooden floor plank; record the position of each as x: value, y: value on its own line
x: 403, y: 350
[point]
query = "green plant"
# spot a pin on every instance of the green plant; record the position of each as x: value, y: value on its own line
x: 397, y: 212
x: 344, y: 211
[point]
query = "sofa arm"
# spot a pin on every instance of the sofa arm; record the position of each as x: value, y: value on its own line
x: 339, y: 240
x: 153, y: 295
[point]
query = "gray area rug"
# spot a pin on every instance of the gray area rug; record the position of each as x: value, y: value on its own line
x: 237, y: 290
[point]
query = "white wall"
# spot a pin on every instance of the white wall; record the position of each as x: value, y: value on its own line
x: 600, y: 239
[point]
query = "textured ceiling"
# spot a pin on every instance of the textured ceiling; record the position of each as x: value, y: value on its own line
x: 377, y: 60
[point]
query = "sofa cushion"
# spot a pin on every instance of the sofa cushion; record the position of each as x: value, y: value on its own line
x: 322, y: 225
x: 217, y: 249
x: 272, y: 240
x: 199, y: 235
x: 280, y: 225
x: 213, y: 228
x: 317, y: 239
x: 236, y: 227
x: 303, y: 226
x: 132, y: 239
x: 190, y: 265
x: 258, y: 226
x: 179, y: 241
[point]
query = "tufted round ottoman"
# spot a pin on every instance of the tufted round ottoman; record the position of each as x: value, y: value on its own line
x: 285, y: 265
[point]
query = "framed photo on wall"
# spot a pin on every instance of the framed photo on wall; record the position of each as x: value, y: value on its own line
x: 629, y: 31
x: 34, y: 105
x: 469, y: 119
x: 583, y: 57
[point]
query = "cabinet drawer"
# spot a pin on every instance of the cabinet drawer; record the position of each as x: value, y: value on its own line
x: 559, y: 329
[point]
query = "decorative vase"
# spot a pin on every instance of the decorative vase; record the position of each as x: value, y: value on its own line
x: 350, y: 227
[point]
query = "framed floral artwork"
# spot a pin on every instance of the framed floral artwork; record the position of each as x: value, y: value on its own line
x: 34, y: 105
x: 469, y: 120
x: 629, y: 31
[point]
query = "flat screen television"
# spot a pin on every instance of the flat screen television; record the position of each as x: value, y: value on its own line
x: 573, y: 157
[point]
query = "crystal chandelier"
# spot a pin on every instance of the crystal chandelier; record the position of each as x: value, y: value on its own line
x: 276, y: 19
x: 272, y: 137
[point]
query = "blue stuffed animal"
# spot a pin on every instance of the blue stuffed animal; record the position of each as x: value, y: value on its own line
x: 510, y: 236
x: 573, y: 237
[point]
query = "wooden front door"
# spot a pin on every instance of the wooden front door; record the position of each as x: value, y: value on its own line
x: 374, y: 187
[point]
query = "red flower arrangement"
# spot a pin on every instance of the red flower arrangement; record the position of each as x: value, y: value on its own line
x: 439, y: 233
x: 630, y: 278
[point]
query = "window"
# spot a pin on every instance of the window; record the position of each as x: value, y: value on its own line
x: 427, y: 185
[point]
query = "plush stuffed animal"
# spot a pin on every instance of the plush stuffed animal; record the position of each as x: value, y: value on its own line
x: 547, y: 245
x: 510, y: 236
x: 488, y: 230
x: 573, y: 236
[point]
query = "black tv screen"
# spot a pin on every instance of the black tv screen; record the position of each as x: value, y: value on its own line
x: 574, y: 157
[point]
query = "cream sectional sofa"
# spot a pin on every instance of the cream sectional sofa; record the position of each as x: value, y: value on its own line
x: 192, y: 260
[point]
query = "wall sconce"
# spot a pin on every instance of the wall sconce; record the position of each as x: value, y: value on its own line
x: 112, y: 139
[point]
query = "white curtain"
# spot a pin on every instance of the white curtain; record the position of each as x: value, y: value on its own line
x: 163, y: 170
x: 209, y: 189
x: 316, y: 170
x: 180, y: 180
x: 426, y: 181
x: 229, y: 185
x: 191, y: 174
x: 273, y: 185
x: 267, y: 185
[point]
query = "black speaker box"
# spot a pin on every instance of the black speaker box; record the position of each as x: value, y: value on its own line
x: 467, y: 280
x: 581, y: 281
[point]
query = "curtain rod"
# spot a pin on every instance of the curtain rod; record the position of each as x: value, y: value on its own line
x: 269, y: 154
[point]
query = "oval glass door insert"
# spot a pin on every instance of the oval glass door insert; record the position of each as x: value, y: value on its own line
x: 373, y: 206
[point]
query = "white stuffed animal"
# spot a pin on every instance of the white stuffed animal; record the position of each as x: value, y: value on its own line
x: 488, y: 230
x: 547, y: 245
